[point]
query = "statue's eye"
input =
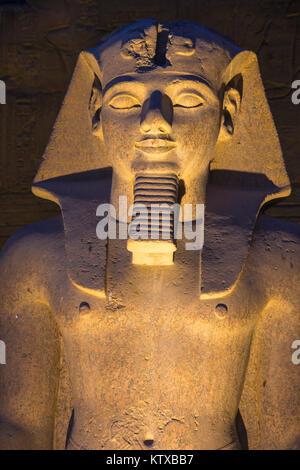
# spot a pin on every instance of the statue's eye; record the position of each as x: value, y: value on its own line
x: 124, y: 102
x: 188, y: 100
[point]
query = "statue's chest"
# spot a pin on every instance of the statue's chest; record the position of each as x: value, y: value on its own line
x: 163, y: 301
x: 134, y: 353
x: 153, y: 305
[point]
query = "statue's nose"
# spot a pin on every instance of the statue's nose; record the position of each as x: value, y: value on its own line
x: 157, y: 114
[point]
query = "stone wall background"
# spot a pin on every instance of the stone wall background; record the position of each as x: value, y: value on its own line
x: 40, y: 41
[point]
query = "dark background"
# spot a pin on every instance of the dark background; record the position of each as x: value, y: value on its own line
x: 40, y: 41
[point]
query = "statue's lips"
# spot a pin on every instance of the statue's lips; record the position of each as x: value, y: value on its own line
x: 155, y: 146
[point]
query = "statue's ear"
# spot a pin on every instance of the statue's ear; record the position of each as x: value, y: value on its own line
x: 248, y: 142
x: 230, y: 108
x: 95, y: 106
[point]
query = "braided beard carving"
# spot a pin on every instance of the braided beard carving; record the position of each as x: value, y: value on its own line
x: 151, y: 231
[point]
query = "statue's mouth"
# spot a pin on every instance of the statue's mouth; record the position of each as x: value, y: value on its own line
x: 155, y: 146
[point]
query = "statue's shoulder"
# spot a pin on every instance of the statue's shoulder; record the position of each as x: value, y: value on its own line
x: 276, y: 249
x: 35, y: 246
x: 279, y: 233
x: 274, y: 228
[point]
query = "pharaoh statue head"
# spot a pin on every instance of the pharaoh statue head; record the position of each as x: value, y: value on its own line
x: 178, y: 103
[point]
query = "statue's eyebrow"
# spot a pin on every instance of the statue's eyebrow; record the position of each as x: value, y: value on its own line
x: 118, y: 81
x: 184, y: 80
x: 190, y: 80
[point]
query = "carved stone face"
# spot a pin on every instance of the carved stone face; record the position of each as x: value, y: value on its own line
x: 160, y: 108
x: 160, y: 121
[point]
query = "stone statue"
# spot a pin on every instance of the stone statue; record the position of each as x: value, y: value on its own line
x: 165, y: 347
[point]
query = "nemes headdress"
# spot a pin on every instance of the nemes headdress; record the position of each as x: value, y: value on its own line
x: 246, y: 171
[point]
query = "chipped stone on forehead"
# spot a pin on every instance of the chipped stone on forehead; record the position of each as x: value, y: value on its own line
x: 140, y: 45
x: 181, y: 47
x: 131, y: 49
x: 195, y: 49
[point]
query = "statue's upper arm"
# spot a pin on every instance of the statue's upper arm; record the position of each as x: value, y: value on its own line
x: 270, y: 402
x: 29, y: 379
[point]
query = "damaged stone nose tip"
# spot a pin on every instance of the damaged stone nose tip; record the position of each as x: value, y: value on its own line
x: 148, y: 440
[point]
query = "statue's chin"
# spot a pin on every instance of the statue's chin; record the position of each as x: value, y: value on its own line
x: 142, y: 166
